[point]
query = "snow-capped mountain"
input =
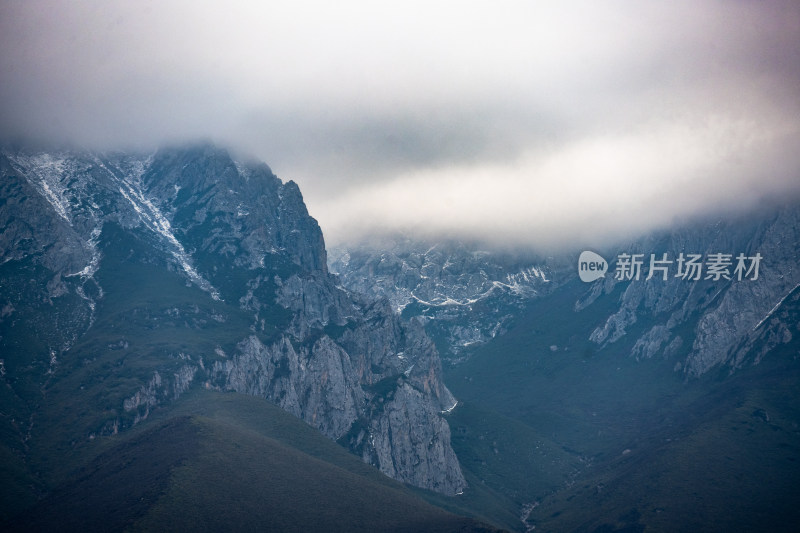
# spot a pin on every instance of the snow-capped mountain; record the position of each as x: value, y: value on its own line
x: 131, y: 284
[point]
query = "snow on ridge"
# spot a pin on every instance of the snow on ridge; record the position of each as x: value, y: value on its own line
x: 449, y: 301
x: 48, y: 174
x: 49, y: 170
x: 55, y: 200
x: 94, y: 263
x: 519, y: 283
x: 527, y: 275
x: 243, y: 171
x: 153, y: 219
x: 43, y: 172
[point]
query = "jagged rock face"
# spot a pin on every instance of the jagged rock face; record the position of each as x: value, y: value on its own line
x: 315, y: 302
x: 439, y: 274
x: 725, y: 319
x: 317, y: 384
x: 410, y: 441
x: 242, y: 212
x: 255, y: 310
x: 465, y: 295
x: 335, y: 385
x: 61, y: 248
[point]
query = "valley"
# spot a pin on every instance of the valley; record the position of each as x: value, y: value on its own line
x: 179, y: 348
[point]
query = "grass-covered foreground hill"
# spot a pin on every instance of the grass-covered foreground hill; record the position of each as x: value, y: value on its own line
x: 229, y: 462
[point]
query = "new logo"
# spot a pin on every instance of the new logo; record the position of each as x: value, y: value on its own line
x: 591, y: 266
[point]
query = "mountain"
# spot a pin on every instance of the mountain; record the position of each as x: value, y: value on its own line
x: 464, y: 294
x: 622, y: 404
x: 131, y: 281
x: 467, y: 295
x: 731, y: 322
x: 178, y: 349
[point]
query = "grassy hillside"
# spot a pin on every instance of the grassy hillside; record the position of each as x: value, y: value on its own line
x: 235, y: 463
x: 733, y: 466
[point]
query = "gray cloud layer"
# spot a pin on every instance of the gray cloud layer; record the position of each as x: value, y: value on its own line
x: 576, y: 121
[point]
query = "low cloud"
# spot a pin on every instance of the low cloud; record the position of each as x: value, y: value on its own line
x: 586, y: 192
x: 507, y: 121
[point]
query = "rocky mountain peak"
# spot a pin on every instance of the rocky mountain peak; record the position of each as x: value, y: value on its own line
x: 210, y: 272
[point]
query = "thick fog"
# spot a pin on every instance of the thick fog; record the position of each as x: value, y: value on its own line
x: 510, y: 121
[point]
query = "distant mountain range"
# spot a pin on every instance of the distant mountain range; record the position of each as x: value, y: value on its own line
x: 468, y: 295
x: 625, y: 403
x: 464, y: 294
x: 155, y: 309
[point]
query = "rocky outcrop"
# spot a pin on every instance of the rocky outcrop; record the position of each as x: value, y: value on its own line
x: 242, y: 211
x: 410, y: 441
x: 315, y: 302
x: 465, y: 294
x: 245, y: 238
x: 377, y: 388
x: 157, y: 391
x: 314, y: 383
x: 728, y: 318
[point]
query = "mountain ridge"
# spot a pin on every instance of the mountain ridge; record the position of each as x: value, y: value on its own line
x: 626, y: 404
x: 131, y: 284
x: 462, y: 314
x: 185, y: 268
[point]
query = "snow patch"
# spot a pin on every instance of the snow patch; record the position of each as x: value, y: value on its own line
x: 242, y: 170
x: 44, y: 173
x: 444, y: 412
x: 154, y: 220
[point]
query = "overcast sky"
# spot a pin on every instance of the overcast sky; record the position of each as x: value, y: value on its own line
x: 522, y: 122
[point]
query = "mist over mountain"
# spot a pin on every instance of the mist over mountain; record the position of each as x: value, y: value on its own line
x: 542, y: 274
x: 531, y: 124
x: 471, y: 290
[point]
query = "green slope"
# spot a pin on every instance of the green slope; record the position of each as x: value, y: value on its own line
x: 734, y: 467
x: 236, y: 463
